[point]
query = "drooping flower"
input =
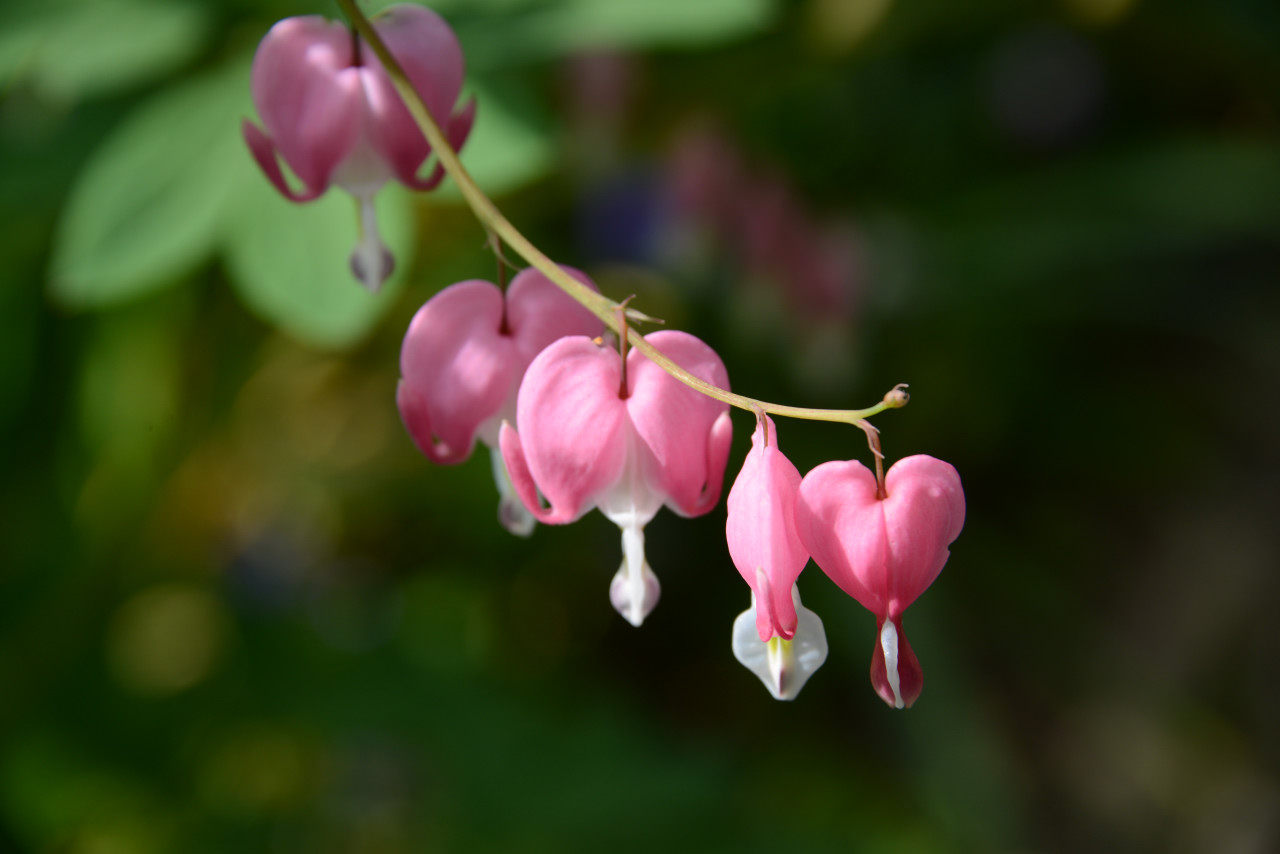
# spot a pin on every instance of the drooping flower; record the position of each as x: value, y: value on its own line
x: 777, y: 638
x: 590, y: 435
x: 330, y: 110
x: 883, y: 549
x: 463, y: 358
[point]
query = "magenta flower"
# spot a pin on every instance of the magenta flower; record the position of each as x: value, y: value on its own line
x: 777, y: 638
x: 331, y: 112
x: 627, y: 439
x: 463, y: 358
x: 883, y: 549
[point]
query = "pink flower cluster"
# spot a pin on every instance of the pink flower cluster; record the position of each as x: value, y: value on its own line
x: 573, y: 422
x: 883, y: 544
x: 333, y: 115
x: 595, y: 430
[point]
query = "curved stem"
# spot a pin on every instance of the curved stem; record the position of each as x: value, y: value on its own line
x: 598, y: 304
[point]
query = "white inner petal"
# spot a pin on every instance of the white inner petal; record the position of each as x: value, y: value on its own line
x: 362, y: 172
x: 630, y: 504
x: 371, y: 260
x: 634, y: 590
x: 783, y: 666
x: 630, y: 501
x: 781, y: 659
x: 889, y: 643
x: 633, y: 554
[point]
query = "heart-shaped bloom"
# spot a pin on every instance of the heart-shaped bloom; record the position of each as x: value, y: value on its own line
x: 463, y: 358
x: 332, y: 113
x: 587, y: 435
x: 777, y: 638
x: 883, y: 550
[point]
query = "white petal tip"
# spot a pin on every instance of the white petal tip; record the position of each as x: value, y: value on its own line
x: 634, y: 590
x: 889, y: 644
x: 634, y: 598
x: 512, y: 513
x: 515, y: 517
x: 372, y: 265
x: 783, y: 666
x: 371, y: 261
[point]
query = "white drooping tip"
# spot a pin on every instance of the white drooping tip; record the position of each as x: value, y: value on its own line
x: 889, y: 643
x: 371, y: 261
x: 634, y: 590
x: 512, y: 513
x: 783, y: 666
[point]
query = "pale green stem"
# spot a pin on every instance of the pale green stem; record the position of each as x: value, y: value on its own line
x: 598, y: 304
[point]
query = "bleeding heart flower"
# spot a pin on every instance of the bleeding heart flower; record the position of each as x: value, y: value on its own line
x: 463, y: 358
x: 332, y: 113
x: 883, y: 549
x: 591, y: 435
x: 777, y: 638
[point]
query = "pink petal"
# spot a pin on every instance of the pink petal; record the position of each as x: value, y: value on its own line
x: 264, y: 151
x: 460, y: 125
x: 309, y: 97
x: 517, y: 466
x: 427, y: 49
x: 290, y: 56
x: 425, y: 46
x: 539, y: 313
x: 416, y: 415
x: 884, y: 553
x: 458, y: 369
x: 572, y: 429
x: 837, y: 520
x: 923, y: 515
x: 683, y: 441
x: 761, y: 531
x: 719, y: 441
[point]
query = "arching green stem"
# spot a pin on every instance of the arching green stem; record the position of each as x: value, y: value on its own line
x: 598, y: 304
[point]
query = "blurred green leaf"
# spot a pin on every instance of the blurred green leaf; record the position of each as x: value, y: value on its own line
x: 145, y: 208
x: 638, y: 23
x: 515, y: 32
x: 289, y: 262
x: 76, y: 49
x: 130, y: 385
x: 511, y: 145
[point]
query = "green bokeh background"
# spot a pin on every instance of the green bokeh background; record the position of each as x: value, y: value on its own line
x: 239, y: 612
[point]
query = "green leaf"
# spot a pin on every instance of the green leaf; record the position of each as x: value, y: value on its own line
x: 516, y: 32
x: 144, y: 210
x: 289, y: 262
x: 76, y: 49
x: 510, y: 146
x: 643, y: 23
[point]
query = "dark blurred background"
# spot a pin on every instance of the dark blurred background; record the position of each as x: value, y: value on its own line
x: 239, y: 612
